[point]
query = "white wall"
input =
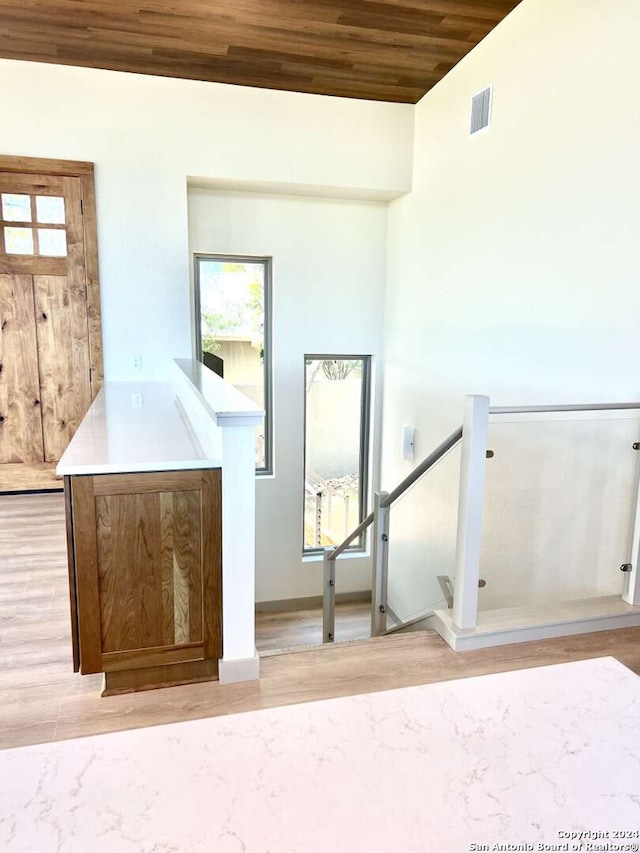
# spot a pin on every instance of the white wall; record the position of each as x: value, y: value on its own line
x: 514, y: 262
x: 329, y: 264
x: 147, y: 134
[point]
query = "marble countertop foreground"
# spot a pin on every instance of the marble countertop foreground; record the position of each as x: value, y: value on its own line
x: 525, y: 760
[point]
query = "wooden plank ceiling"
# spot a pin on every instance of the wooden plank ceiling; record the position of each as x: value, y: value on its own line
x: 388, y: 50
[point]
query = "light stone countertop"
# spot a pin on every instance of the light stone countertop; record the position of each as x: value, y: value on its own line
x: 516, y: 758
x: 136, y: 427
x: 224, y: 403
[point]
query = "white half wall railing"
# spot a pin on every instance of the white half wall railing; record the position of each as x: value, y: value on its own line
x: 208, y: 399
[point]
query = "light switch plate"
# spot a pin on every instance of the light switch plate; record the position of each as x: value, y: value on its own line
x: 408, y: 438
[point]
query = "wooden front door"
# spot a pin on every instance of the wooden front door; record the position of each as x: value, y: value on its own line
x: 50, y: 352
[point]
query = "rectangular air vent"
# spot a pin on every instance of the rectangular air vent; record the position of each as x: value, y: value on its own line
x: 481, y: 110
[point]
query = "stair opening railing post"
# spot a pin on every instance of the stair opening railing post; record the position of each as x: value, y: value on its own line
x: 380, y: 566
x: 475, y: 430
x: 329, y: 598
x: 631, y: 591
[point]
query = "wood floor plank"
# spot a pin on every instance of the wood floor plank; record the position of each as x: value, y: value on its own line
x: 43, y: 700
x: 29, y: 477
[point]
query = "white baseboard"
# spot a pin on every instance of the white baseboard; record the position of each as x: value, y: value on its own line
x: 520, y: 625
x: 243, y: 669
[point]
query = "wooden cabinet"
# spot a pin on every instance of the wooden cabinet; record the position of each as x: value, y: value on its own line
x: 145, y: 553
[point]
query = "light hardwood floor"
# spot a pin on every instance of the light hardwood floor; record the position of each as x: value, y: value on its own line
x: 29, y: 477
x: 41, y: 699
x: 295, y: 628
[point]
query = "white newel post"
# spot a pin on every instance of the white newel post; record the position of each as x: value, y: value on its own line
x: 470, y: 511
x: 239, y: 660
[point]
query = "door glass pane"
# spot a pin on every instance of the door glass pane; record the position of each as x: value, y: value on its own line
x: 50, y: 209
x: 18, y: 241
x: 16, y: 208
x: 52, y: 242
x: 232, y: 328
x: 335, y: 449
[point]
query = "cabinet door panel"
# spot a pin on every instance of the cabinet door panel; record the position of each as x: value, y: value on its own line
x: 156, y: 567
x: 128, y: 569
x: 181, y: 514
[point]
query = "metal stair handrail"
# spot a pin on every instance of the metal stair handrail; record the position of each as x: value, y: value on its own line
x: 380, y: 518
x: 421, y: 469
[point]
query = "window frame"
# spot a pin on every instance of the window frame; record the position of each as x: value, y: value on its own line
x: 360, y: 544
x: 267, y: 262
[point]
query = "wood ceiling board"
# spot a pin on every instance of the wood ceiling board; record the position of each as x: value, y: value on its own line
x: 392, y: 50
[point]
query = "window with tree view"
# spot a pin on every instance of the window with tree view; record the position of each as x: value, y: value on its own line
x: 233, y: 299
x: 336, y: 448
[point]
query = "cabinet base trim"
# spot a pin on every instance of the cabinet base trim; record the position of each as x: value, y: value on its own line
x: 153, y: 677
